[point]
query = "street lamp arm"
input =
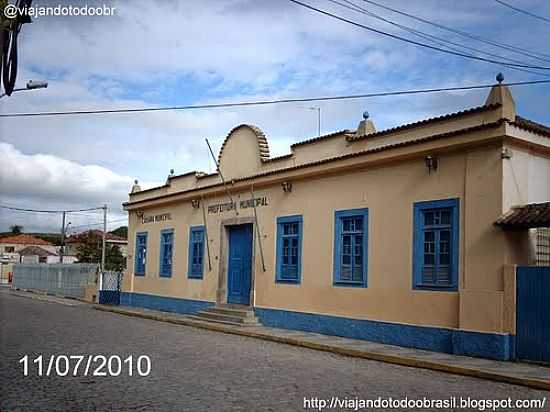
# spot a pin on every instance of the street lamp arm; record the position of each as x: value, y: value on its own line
x: 31, y: 85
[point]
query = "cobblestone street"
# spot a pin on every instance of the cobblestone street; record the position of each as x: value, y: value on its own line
x: 194, y: 369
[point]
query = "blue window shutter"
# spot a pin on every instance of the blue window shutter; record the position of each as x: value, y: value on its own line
x: 350, y: 259
x: 166, y: 252
x: 436, y: 244
x: 195, y: 260
x: 140, y: 257
x: 289, y: 249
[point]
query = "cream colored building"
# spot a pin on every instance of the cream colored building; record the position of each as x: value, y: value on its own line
x: 382, y: 235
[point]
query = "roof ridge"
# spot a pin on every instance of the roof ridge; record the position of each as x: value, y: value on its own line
x: 447, y: 116
x: 18, y: 239
x: 322, y: 137
x: 531, y: 125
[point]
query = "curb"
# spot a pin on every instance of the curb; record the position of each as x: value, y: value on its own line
x: 357, y: 353
x: 45, y: 297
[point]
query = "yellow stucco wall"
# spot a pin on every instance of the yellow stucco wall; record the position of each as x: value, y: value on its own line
x: 388, y: 191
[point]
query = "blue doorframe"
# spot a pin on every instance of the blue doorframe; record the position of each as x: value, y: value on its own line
x: 239, y: 268
x: 533, y: 315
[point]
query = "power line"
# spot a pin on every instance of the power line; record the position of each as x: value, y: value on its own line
x: 269, y: 102
x: 18, y: 209
x: 97, y: 224
x: 404, y: 39
x: 430, y: 37
x: 536, y: 16
x: 509, y: 47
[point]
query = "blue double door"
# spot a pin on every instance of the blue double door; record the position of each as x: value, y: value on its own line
x: 239, y: 277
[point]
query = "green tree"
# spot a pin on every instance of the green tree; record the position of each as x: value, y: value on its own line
x: 89, y: 248
x: 89, y: 251
x: 121, y: 231
x: 114, y: 259
x: 16, y: 229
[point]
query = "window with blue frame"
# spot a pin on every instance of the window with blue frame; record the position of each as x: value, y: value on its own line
x: 166, y: 249
x: 289, y: 249
x: 436, y: 242
x: 196, y: 252
x: 350, y: 247
x: 141, y: 254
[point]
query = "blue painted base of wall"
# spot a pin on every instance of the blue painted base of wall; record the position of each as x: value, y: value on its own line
x: 483, y: 345
x: 166, y: 304
x: 458, y: 342
x: 109, y: 297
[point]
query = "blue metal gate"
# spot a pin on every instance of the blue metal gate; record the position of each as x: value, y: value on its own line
x: 109, y: 293
x: 533, y: 313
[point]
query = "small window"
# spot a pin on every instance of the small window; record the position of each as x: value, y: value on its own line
x: 166, y: 248
x: 196, y: 252
x: 289, y: 249
x: 350, y: 247
x: 141, y: 254
x: 9, y: 249
x: 436, y: 245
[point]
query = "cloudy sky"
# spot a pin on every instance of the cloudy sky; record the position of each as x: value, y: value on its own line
x: 165, y: 53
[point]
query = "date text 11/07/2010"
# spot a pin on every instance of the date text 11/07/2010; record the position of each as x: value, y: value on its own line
x: 87, y: 365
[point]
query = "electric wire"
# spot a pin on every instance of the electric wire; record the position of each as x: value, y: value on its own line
x: 406, y: 40
x: 97, y: 224
x: 18, y: 209
x: 528, y: 13
x: 509, y: 47
x: 430, y: 37
x: 270, y: 102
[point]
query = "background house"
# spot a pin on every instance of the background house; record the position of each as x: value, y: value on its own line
x: 36, y: 254
x: 15, y: 243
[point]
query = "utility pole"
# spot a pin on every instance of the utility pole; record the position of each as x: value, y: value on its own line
x: 104, y: 238
x: 62, y: 250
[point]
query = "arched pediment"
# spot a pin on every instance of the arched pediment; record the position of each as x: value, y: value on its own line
x: 243, y: 151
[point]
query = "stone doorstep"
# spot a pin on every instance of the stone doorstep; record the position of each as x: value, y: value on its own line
x: 533, y: 376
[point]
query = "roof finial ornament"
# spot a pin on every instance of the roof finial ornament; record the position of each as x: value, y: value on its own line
x: 500, y: 78
x: 366, y: 126
x: 170, y: 175
x: 136, y: 187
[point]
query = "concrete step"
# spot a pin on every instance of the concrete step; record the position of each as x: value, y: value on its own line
x: 231, y: 314
x: 223, y: 322
x: 226, y: 317
x: 225, y: 310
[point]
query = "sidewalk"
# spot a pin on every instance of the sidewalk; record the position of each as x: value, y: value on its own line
x: 533, y: 376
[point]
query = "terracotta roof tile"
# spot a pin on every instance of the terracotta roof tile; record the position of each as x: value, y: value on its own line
x: 35, y: 251
x: 449, y: 116
x: 24, y: 239
x: 531, y: 126
x: 109, y: 236
x: 326, y: 136
x: 525, y: 217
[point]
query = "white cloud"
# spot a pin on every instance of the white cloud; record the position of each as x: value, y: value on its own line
x: 47, y: 182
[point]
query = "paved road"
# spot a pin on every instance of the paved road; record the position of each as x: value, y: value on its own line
x: 194, y: 369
